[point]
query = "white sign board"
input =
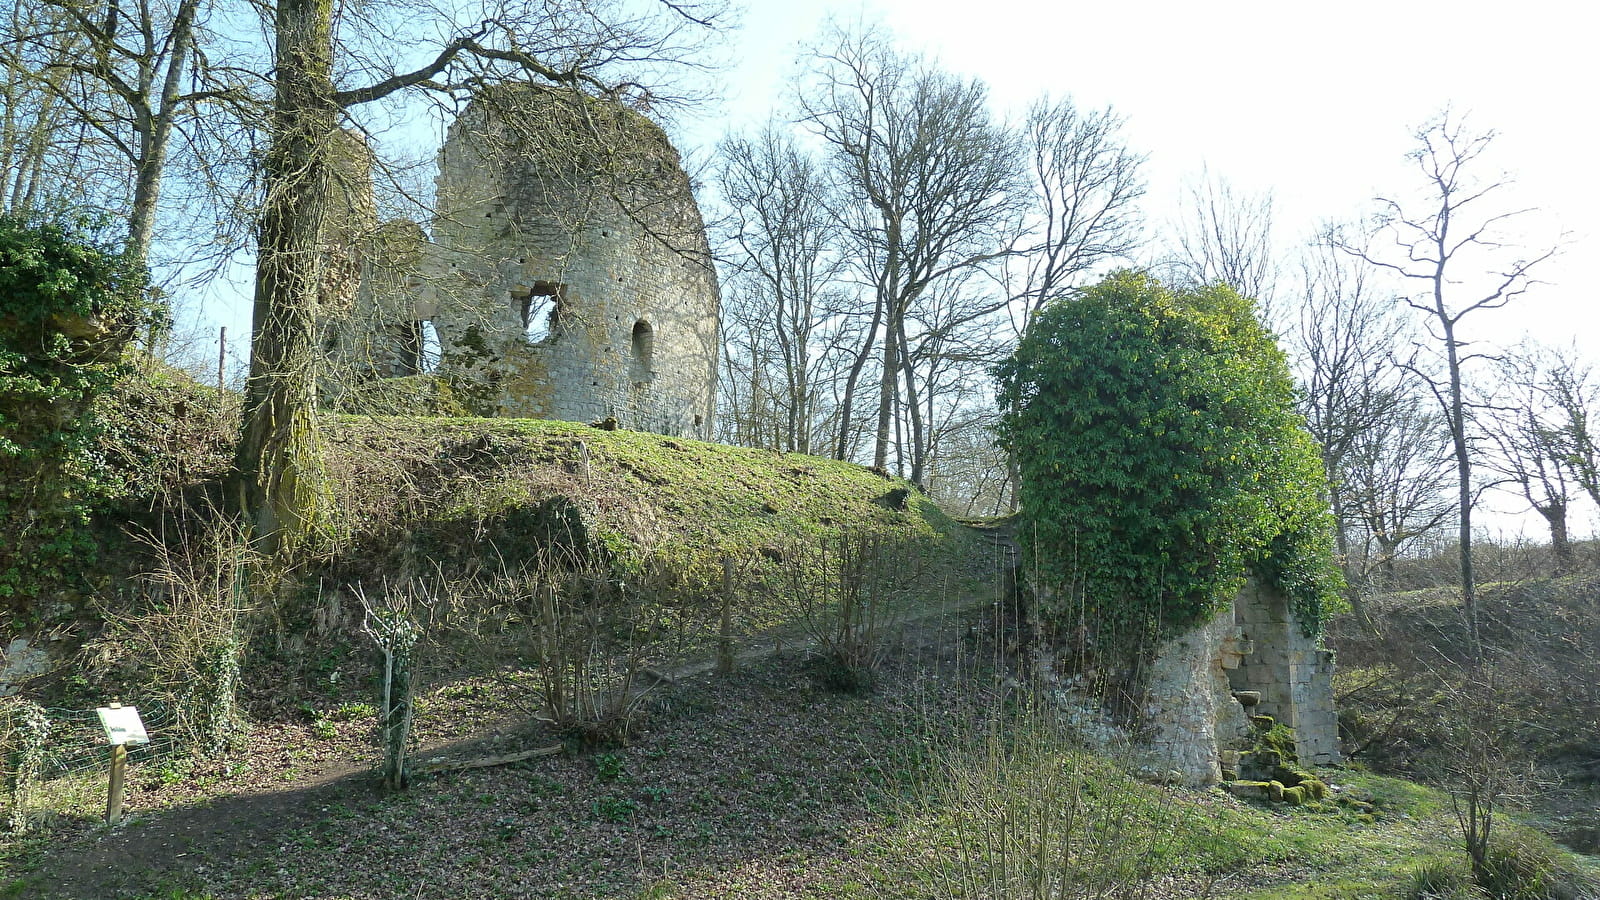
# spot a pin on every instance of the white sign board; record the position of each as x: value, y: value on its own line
x: 122, y: 725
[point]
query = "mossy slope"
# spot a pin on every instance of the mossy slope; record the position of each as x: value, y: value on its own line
x: 636, y: 491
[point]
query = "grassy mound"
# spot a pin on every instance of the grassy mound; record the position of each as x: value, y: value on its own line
x: 633, y: 491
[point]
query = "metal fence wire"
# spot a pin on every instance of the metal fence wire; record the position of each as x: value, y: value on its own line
x: 75, y: 745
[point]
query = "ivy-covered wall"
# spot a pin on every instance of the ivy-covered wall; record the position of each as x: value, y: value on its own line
x: 69, y: 303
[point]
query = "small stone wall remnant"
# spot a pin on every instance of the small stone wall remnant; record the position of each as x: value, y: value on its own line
x: 1293, y: 674
x: 1190, y: 712
x: 1196, y: 727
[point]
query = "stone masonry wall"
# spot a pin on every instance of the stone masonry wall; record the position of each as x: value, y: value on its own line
x: 570, y: 276
x: 1293, y: 674
x: 1190, y: 712
x: 1195, y: 726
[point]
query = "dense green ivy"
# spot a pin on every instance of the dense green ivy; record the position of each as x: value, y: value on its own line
x: 1161, y: 461
x: 69, y: 302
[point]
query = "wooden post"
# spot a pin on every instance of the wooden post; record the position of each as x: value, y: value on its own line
x: 119, y: 769
x: 725, y: 636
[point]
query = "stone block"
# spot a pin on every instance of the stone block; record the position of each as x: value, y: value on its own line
x: 1250, y: 790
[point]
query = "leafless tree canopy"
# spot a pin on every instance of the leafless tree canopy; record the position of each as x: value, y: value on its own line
x: 1448, y: 246
x: 786, y: 311
x: 933, y: 188
x: 1085, y: 213
x: 132, y: 109
x: 1228, y: 238
x: 1529, y: 430
x: 1343, y: 339
x: 916, y: 234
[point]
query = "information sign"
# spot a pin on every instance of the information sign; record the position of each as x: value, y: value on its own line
x: 123, y: 725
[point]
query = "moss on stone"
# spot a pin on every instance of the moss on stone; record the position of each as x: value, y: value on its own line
x: 1276, y: 737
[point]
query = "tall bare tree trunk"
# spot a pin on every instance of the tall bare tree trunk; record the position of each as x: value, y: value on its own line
x: 891, y: 372
x: 919, y: 448
x: 1555, y: 514
x: 1458, y: 439
x: 154, y: 127
x: 853, y: 379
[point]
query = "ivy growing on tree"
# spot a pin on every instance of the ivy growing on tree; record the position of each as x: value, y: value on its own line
x: 1161, y: 462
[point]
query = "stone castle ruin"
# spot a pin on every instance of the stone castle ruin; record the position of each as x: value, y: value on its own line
x: 567, y: 274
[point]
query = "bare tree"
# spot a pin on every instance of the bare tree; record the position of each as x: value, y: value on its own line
x: 45, y: 159
x: 786, y: 263
x: 933, y: 185
x: 1525, y: 424
x: 1395, y: 477
x: 1450, y: 231
x: 1571, y: 389
x: 113, y: 86
x: 1086, y: 190
x: 970, y: 474
x: 1227, y: 238
x: 1341, y: 343
x: 955, y: 339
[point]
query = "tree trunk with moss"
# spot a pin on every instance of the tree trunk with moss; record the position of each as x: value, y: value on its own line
x: 282, y: 485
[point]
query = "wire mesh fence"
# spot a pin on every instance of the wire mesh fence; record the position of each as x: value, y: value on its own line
x: 40, y: 745
x: 78, y: 744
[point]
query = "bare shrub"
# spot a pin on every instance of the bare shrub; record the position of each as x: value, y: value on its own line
x: 181, y: 642
x: 590, y: 633
x: 1028, y: 813
x: 1486, y: 770
x: 393, y: 627
x: 1480, y: 772
x: 845, y: 589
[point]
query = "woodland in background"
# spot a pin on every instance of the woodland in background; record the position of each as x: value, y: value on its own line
x: 886, y: 240
x: 885, y: 243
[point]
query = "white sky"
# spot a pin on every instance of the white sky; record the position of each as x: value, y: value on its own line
x: 1317, y: 107
x: 1314, y: 102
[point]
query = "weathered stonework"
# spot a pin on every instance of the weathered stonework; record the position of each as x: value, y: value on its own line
x: 379, y: 334
x: 567, y: 275
x: 1193, y: 721
x: 570, y: 275
x: 1191, y: 716
x: 1292, y: 673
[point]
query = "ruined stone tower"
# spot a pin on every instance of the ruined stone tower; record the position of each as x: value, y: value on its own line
x: 569, y: 275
